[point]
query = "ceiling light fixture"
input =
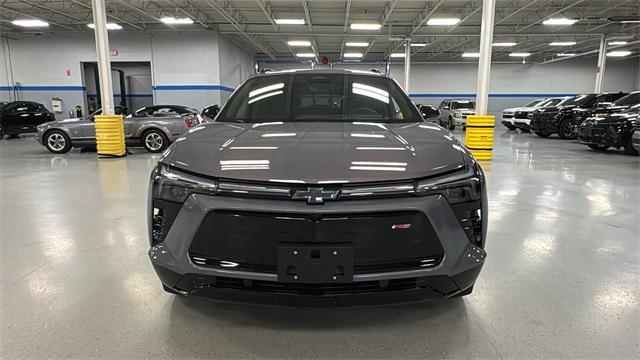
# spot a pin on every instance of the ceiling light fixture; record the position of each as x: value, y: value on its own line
x: 352, y: 55
x: 299, y: 43
x: 306, y: 55
x: 110, y: 26
x: 356, y: 44
x: 618, y: 42
x: 559, y: 21
x: 504, y: 44
x: 289, y: 21
x: 443, y: 21
x: 397, y: 55
x: 176, y: 21
x: 566, y: 54
x: 471, y: 55
x: 520, y: 54
x: 365, y: 26
x: 562, y: 43
x: 418, y: 44
x: 30, y: 23
x: 621, y: 53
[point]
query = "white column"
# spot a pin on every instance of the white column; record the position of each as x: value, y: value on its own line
x: 104, y: 56
x: 484, y: 63
x: 407, y: 64
x: 602, y: 63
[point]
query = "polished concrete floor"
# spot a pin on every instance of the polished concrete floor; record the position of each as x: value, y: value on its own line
x: 562, y: 278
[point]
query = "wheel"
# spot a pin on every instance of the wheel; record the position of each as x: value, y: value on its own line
x: 464, y: 292
x: 154, y: 141
x: 598, y: 147
x: 57, y: 142
x: 542, y: 134
x: 628, y: 147
x: 565, y: 129
x: 170, y: 290
x: 451, y: 126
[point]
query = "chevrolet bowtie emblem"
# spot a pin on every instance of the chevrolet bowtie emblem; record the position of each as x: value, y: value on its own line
x: 315, y: 196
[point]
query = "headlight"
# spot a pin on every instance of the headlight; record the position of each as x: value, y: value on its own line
x: 176, y: 186
x: 456, y: 188
x: 457, y: 114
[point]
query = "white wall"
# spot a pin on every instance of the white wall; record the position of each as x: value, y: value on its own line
x: 235, y: 65
x: 185, y: 66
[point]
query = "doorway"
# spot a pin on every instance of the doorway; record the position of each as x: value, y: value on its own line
x: 132, y: 85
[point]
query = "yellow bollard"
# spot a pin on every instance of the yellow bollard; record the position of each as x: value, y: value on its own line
x: 479, y: 137
x: 110, y: 135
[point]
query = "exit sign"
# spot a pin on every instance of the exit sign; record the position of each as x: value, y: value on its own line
x: 114, y: 52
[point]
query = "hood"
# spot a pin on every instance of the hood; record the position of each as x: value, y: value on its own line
x: 522, y: 108
x: 317, y: 152
x: 66, y: 121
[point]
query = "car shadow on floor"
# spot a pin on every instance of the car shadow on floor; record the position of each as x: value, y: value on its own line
x: 198, y: 327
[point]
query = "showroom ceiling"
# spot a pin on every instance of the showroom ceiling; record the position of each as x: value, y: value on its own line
x: 326, y: 25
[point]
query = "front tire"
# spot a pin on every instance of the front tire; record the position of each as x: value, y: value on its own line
x: 543, y: 134
x: 154, y: 141
x: 628, y: 147
x: 57, y: 142
x: 565, y: 130
x: 451, y: 126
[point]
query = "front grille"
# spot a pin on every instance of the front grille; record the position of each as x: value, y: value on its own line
x: 507, y: 116
x: 252, y: 238
x: 521, y: 114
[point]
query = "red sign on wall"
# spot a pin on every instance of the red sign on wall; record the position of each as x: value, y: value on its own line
x: 114, y: 52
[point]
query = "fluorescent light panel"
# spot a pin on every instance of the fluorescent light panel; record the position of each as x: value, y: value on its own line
x: 306, y: 55
x: 397, y: 55
x: 365, y: 26
x: 30, y: 23
x: 519, y: 54
x: 443, y: 21
x: 418, y: 44
x: 559, y: 21
x: 176, y: 21
x: 621, y: 53
x: 618, y: 42
x: 352, y: 55
x: 289, y: 21
x: 562, y: 43
x: 504, y: 44
x: 356, y: 44
x: 566, y: 54
x: 110, y: 26
x: 471, y: 55
x: 299, y: 43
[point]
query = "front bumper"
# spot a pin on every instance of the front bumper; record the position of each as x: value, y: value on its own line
x: 545, y: 123
x: 456, y: 271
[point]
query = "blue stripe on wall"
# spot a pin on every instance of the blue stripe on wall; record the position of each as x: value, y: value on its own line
x: 128, y: 95
x: 193, y: 87
x: 420, y: 95
x: 43, y: 88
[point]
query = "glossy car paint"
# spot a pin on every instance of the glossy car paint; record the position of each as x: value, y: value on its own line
x: 20, y: 117
x: 509, y: 114
x: 82, y: 131
x: 614, y: 130
x: 448, y: 115
x: 330, y: 153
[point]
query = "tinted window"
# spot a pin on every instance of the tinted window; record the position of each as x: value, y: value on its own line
x: 462, y: 105
x: 319, y: 97
x: 33, y: 107
x: 610, y: 97
x: 631, y: 99
x: 534, y: 103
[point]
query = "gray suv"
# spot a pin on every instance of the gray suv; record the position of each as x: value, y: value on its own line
x: 454, y: 112
x: 318, y: 188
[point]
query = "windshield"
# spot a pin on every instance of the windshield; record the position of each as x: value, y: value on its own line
x: 319, y: 97
x: 462, y: 105
x: 535, y: 102
x: 579, y: 100
x: 631, y: 99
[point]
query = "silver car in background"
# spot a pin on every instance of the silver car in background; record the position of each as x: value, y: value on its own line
x: 454, y: 112
x: 152, y: 127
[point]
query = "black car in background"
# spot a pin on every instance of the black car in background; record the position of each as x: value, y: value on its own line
x: 209, y: 113
x: 619, y: 105
x: 429, y: 112
x: 614, y: 130
x: 19, y: 117
x: 561, y: 119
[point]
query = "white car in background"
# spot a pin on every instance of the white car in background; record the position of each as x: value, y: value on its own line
x: 508, y: 114
x: 522, y: 117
